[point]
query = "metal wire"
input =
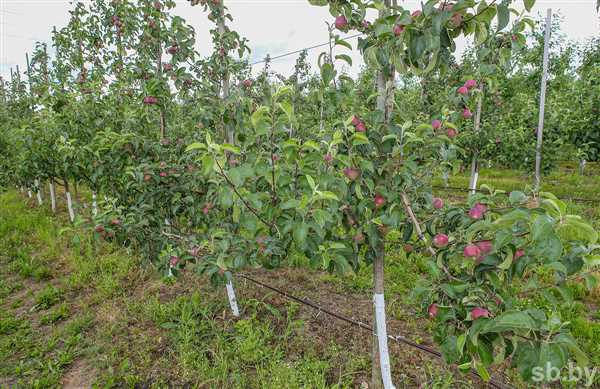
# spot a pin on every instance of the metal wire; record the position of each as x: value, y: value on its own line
x: 574, y: 199
x: 301, y: 50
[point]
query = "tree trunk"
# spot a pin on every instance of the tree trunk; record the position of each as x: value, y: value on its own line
x: 582, y: 164
x: 53, y: 195
x: 38, y: 191
x: 69, y: 202
x: 381, y: 372
x: 475, y: 162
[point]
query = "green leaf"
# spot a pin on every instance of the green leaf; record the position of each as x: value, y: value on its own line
x: 505, y: 265
x: 311, y: 144
x: 259, y: 120
x: 311, y: 182
x: 327, y: 73
x: 291, y: 203
x: 345, y: 58
x: 517, y: 198
x: 485, y: 375
x: 231, y: 148
x: 529, y: 4
x: 449, y: 349
x: 300, y: 233
x: 359, y: 139
x: 526, y: 357
x: 503, y: 16
x: 573, y: 228
x: 569, y: 342
x: 510, y: 321
x: 288, y: 109
x: 326, y: 195
x: 195, y: 146
x: 341, y: 42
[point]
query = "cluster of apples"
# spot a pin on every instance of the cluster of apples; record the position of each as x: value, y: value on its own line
x: 437, y: 124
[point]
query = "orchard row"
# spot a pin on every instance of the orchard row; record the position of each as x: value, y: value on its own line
x: 198, y: 165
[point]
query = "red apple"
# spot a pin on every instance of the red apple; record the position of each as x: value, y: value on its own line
x: 478, y: 211
x: 462, y: 90
x: 478, y: 312
x: 471, y: 251
x: 379, y: 201
x: 432, y: 310
x: 436, y: 124
x: 398, y: 29
x: 150, y: 100
x: 485, y: 246
x: 351, y: 173
x: 438, y: 203
x: 470, y: 84
x: 440, y: 240
x: 451, y: 132
x: 341, y: 23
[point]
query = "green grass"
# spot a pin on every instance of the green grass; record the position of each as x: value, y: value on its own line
x: 74, y: 311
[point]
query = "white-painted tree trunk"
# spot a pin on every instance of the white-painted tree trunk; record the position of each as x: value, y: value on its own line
x: 94, y: 204
x: 381, y: 331
x: 232, y: 299
x: 70, y: 207
x: 474, y: 175
x: 52, y: 196
x: 582, y: 164
x: 38, y: 192
x: 29, y: 193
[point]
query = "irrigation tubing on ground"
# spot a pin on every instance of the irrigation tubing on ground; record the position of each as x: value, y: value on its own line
x: 453, y: 188
x: 366, y: 327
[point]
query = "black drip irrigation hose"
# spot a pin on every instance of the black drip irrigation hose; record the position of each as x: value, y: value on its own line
x: 453, y: 188
x: 366, y: 327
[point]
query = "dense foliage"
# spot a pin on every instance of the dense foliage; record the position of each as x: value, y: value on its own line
x: 197, y: 164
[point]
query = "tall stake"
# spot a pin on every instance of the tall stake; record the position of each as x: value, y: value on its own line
x: 229, y: 136
x: 381, y: 357
x: 475, y: 162
x: 540, y: 129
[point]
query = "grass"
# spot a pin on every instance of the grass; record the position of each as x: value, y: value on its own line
x: 75, y: 312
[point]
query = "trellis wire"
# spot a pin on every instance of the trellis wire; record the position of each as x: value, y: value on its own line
x: 269, y: 59
x: 454, y: 188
